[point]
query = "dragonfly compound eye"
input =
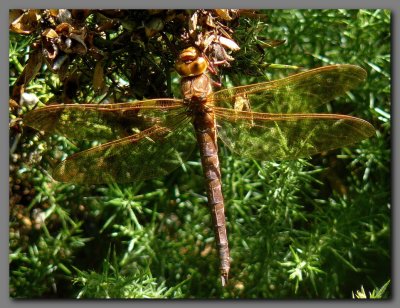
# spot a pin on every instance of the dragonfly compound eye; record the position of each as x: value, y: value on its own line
x: 191, y: 68
x: 191, y: 63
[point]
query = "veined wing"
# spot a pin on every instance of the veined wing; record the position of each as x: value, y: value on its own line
x: 107, y: 121
x: 286, y: 136
x: 150, y: 139
x: 151, y: 153
x: 302, y: 92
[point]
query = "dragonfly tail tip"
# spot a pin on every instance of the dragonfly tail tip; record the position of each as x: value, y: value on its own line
x: 224, y: 280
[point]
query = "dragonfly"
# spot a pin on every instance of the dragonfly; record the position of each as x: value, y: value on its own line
x: 272, y: 120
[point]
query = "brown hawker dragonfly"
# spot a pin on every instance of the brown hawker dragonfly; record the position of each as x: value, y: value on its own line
x: 150, y: 138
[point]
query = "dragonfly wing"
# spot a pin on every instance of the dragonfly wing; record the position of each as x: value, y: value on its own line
x: 151, y: 153
x: 302, y: 92
x: 104, y: 122
x: 287, y: 136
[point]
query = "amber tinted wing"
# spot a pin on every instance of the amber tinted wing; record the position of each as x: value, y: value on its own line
x: 275, y: 136
x: 151, y: 153
x: 265, y: 120
x: 151, y: 139
x: 103, y: 122
x: 302, y: 92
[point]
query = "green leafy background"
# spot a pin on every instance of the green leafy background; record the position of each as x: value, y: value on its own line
x: 315, y: 228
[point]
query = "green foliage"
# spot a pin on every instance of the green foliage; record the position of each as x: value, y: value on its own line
x: 307, y: 228
x: 110, y: 283
x: 377, y: 293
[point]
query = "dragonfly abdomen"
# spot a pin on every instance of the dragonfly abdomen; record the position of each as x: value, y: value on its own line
x: 204, y: 125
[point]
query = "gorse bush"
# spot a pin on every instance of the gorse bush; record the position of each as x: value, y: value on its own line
x: 308, y: 228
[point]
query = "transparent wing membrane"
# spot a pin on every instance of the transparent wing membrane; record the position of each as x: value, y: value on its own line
x: 303, y: 92
x: 274, y: 136
x: 147, y: 139
x: 104, y: 122
x: 152, y: 153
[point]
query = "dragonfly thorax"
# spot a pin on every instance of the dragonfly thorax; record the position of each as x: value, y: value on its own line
x: 196, y: 89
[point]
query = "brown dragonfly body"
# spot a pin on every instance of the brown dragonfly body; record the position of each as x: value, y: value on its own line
x: 147, y: 139
x: 195, y: 91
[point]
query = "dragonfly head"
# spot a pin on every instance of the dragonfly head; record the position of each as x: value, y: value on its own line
x: 191, y: 63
